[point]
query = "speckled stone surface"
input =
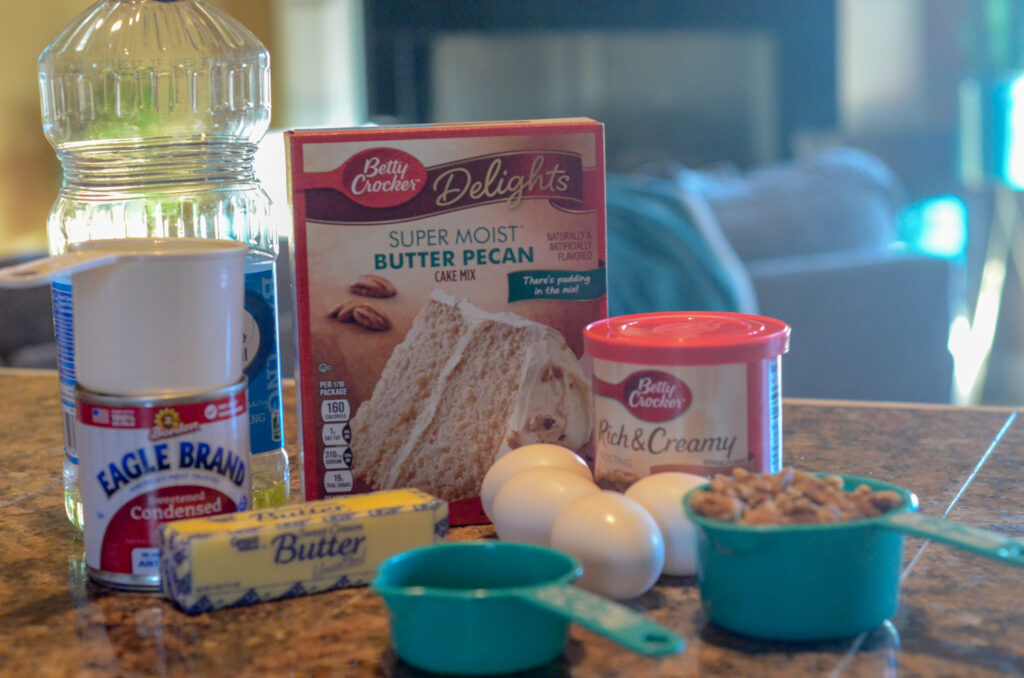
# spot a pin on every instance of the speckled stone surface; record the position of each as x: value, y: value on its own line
x: 960, y: 615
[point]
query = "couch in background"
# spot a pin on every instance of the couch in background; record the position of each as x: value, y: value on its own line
x: 816, y: 243
x: 26, y: 325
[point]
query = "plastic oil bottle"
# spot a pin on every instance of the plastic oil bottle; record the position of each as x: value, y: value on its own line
x: 155, y: 109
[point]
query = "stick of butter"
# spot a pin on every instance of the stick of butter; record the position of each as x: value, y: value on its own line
x: 269, y: 554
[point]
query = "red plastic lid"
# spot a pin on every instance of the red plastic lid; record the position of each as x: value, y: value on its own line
x: 687, y: 338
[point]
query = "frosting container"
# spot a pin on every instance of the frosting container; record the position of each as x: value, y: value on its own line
x: 693, y: 392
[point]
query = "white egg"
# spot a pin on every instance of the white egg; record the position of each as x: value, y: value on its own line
x: 617, y: 541
x: 529, y: 456
x: 662, y: 495
x: 528, y: 503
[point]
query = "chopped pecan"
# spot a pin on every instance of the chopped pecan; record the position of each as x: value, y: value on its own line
x: 765, y: 513
x: 789, y: 497
x: 714, y: 505
x: 886, y: 500
x: 834, y: 481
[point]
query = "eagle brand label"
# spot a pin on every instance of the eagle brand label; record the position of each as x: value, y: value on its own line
x: 149, y: 461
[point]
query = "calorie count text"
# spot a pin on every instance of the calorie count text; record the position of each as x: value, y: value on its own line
x: 336, y: 433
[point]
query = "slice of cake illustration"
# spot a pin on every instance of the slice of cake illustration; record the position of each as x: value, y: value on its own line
x: 463, y: 387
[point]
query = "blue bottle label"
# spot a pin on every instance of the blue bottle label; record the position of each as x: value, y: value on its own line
x: 260, y: 358
x: 64, y: 327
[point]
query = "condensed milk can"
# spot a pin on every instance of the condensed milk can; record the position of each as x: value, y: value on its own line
x: 149, y: 461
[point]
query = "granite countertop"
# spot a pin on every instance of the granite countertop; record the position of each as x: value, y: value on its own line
x: 960, y: 615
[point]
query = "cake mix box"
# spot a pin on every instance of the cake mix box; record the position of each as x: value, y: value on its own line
x: 443, y: 277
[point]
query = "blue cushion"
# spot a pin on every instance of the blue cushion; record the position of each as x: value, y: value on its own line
x: 658, y: 258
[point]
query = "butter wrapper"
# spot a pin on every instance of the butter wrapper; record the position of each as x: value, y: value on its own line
x: 270, y: 554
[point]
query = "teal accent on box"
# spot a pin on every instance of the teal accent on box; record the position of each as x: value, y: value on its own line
x: 568, y: 285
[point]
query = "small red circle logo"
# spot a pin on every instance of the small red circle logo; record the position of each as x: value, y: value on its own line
x: 655, y: 396
x: 382, y: 177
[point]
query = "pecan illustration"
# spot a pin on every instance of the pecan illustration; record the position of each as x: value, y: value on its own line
x: 361, y: 313
x: 343, y: 313
x: 369, y: 317
x: 369, y: 285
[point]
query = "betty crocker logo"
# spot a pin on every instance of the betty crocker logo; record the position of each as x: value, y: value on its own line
x: 387, y: 185
x: 649, y: 395
x: 382, y: 177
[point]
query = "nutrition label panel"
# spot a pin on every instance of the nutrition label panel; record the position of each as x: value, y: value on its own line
x: 335, y: 434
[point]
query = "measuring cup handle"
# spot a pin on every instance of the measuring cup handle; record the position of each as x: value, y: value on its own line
x: 983, y: 542
x: 40, y: 271
x: 606, y: 617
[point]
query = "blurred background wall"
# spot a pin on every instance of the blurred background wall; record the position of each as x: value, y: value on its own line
x: 699, y: 84
x: 879, y: 70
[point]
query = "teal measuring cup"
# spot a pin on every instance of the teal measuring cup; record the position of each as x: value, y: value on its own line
x: 820, y: 581
x: 487, y: 607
